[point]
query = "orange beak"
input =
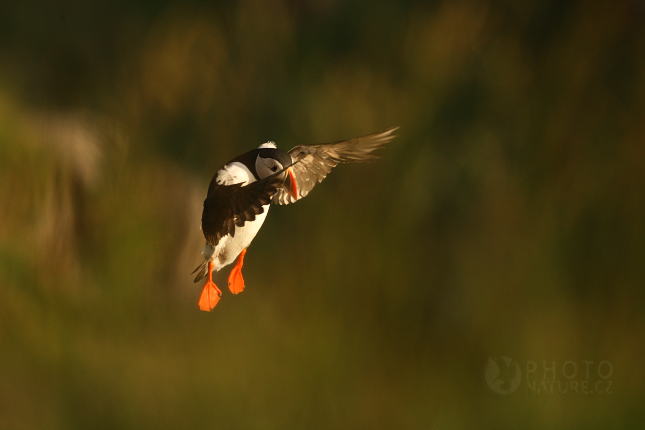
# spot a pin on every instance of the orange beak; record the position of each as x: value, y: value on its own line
x: 290, y: 184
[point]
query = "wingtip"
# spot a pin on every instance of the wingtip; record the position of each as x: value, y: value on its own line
x: 383, y: 137
x: 388, y: 132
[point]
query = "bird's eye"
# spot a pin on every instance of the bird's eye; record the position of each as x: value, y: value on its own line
x: 270, y: 163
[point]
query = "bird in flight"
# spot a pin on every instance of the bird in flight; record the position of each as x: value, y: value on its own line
x: 241, y: 192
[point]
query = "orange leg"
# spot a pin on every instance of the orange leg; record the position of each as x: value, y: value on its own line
x: 235, y: 280
x: 210, y: 293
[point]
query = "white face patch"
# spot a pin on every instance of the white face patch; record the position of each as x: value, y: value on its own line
x: 266, y: 167
x: 234, y: 173
x: 269, y: 144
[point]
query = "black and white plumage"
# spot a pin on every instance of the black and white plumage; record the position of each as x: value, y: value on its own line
x: 240, y: 194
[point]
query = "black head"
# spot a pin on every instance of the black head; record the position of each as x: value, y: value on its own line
x: 270, y: 161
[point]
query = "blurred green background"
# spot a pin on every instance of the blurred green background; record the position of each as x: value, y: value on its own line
x: 507, y: 219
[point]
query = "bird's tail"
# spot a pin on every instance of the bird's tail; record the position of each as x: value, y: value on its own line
x: 201, y: 270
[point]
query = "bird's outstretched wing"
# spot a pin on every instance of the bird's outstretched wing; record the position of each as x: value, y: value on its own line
x: 312, y: 163
x: 228, y: 206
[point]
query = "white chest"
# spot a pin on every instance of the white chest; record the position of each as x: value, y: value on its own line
x: 229, y: 247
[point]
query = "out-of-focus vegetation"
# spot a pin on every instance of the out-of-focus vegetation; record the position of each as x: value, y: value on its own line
x: 508, y: 218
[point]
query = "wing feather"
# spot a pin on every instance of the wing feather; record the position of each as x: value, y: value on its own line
x: 312, y: 163
x: 228, y: 206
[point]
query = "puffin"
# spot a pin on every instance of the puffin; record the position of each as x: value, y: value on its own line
x: 241, y: 192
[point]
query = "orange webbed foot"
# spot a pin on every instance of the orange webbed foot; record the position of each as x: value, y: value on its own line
x: 210, y: 296
x: 235, y: 279
x: 210, y: 293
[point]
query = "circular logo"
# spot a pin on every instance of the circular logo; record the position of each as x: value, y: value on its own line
x: 502, y: 375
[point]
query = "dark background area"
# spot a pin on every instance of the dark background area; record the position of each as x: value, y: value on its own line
x: 506, y: 220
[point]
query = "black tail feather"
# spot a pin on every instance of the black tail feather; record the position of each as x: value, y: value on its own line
x: 201, y: 270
